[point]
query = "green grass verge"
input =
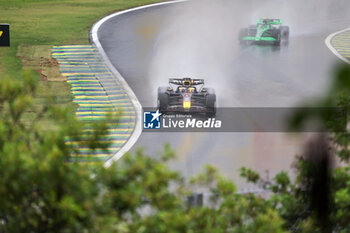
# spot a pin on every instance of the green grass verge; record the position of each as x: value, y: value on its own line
x: 52, y: 22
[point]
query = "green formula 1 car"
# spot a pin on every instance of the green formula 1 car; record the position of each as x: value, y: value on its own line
x: 267, y: 31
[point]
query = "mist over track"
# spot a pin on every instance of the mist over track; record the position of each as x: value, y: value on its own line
x: 200, y: 39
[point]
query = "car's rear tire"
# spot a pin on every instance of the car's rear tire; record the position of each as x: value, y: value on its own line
x: 278, y: 39
x: 163, y: 99
x: 211, y: 103
x: 285, y: 34
x: 243, y: 33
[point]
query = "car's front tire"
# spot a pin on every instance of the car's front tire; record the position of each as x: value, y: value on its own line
x: 211, y: 103
x: 285, y: 34
x: 278, y: 39
x: 163, y: 99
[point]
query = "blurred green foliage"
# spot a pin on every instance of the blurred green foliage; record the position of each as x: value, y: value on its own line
x: 318, y: 200
x: 40, y: 191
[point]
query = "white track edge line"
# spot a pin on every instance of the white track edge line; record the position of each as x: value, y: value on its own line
x: 330, y: 46
x: 138, y: 108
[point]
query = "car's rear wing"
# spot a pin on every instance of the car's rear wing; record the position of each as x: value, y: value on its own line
x: 270, y: 21
x: 181, y: 81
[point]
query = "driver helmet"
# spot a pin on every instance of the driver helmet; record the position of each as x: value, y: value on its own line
x: 187, y: 82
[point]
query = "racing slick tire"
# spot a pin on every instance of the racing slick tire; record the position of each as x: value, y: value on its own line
x: 211, y: 103
x: 278, y: 39
x: 243, y: 33
x: 285, y: 34
x: 163, y: 99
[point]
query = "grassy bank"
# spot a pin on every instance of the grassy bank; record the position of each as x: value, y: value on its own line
x: 50, y: 22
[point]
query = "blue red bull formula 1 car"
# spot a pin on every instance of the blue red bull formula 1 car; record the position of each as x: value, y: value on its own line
x: 187, y: 95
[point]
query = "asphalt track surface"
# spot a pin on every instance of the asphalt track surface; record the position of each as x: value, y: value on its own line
x: 148, y: 46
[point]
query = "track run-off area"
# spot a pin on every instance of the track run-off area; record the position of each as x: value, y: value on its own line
x: 146, y: 46
x: 97, y: 93
x: 339, y: 44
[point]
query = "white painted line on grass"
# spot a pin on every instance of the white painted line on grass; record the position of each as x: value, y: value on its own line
x: 138, y: 108
x: 330, y: 46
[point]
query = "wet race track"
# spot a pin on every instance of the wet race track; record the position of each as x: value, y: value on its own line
x: 200, y: 39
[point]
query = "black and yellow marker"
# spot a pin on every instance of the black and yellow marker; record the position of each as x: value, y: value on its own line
x: 4, y: 35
